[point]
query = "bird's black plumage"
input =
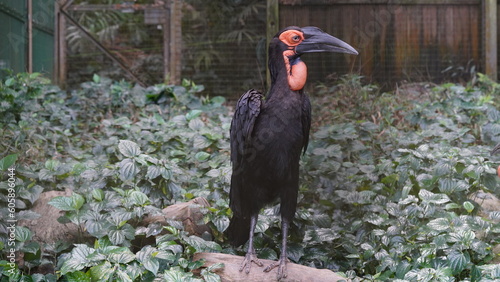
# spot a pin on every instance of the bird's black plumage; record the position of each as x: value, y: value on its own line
x: 268, y: 137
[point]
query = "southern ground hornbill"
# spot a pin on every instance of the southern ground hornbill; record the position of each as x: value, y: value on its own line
x: 267, y: 137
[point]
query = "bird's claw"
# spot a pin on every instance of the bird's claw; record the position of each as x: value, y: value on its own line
x: 281, y: 265
x: 247, y: 262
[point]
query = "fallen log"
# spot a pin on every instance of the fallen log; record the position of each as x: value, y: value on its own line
x: 296, y: 272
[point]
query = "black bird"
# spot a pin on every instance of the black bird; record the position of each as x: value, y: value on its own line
x: 267, y: 137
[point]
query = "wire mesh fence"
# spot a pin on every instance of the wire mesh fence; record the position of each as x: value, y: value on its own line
x: 223, y: 43
x: 397, y: 40
x: 134, y: 44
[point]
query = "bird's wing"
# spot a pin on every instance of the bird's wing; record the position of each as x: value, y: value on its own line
x: 247, y: 111
x: 306, y: 121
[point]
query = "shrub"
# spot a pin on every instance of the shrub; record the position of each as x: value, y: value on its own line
x: 391, y: 197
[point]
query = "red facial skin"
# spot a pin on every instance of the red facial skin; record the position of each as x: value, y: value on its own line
x: 297, y: 73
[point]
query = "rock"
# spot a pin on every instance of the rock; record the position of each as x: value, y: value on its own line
x: 487, y: 201
x: 188, y: 213
x: 46, y: 228
x: 296, y: 272
x: 496, y: 251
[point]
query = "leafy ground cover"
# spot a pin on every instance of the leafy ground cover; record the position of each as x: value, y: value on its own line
x: 391, y: 186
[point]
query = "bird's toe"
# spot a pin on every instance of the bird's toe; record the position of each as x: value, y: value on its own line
x: 247, y: 262
x: 281, y: 265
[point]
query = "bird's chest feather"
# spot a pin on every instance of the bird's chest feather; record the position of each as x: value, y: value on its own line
x: 279, y: 130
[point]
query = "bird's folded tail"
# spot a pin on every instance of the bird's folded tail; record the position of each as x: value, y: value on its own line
x: 238, y: 230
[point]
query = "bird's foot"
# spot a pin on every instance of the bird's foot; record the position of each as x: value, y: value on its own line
x: 281, y: 265
x: 247, y: 262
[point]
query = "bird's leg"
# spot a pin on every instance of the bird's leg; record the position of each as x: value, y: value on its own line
x: 281, y: 263
x: 251, y: 256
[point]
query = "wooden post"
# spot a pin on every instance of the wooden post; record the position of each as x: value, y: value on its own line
x: 175, y: 41
x: 60, y: 45
x: 271, y: 30
x: 29, y: 34
x: 166, y: 42
x: 490, y: 38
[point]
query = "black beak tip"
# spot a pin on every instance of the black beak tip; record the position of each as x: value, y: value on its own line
x: 353, y: 52
x: 320, y: 41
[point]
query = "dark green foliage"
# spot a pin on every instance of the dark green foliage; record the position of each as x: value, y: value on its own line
x: 398, y: 200
x: 389, y: 191
x: 125, y: 152
x: 18, y: 92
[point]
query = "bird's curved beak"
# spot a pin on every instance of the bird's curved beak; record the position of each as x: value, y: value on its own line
x: 316, y: 40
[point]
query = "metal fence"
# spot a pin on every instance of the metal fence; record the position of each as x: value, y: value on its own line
x: 397, y: 40
x: 27, y: 45
x: 222, y: 43
x: 123, y: 40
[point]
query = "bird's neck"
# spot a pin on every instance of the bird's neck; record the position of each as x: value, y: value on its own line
x: 296, y: 71
x: 287, y: 70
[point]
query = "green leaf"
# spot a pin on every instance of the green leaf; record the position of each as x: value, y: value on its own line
x: 22, y: 233
x: 402, y: 268
x: 102, y: 272
x: 430, y: 197
x: 176, y: 274
x: 451, y: 206
x: 77, y: 201
x: 196, y: 124
x: 201, y: 142
x: 439, y: 224
x: 464, y: 237
x: 129, y: 149
x: 128, y: 169
x: 203, y: 246
x: 218, y: 100
x: 78, y: 259
x: 78, y: 276
x: 118, y: 236
x: 71, y: 203
x: 295, y: 252
x: 7, y: 162
x: 209, y: 276
x: 193, y: 114
x: 489, y: 181
x: 469, y: 207
x: 138, y: 198
x: 201, y: 156
x: 215, y: 266
x: 31, y: 250
x: 122, y: 276
x: 146, y: 256
x: 96, y: 78
x: 457, y: 261
x: 124, y: 256
x: 34, y: 75
x: 390, y: 179
x: 268, y: 253
x: 10, y: 81
x: 98, y: 194
x: 52, y: 165
x: 221, y: 223
x: 62, y: 203
x: 153, y: 171
x: 475, y: 273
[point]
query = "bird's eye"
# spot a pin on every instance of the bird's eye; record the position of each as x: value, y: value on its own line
x: 296, y: 38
